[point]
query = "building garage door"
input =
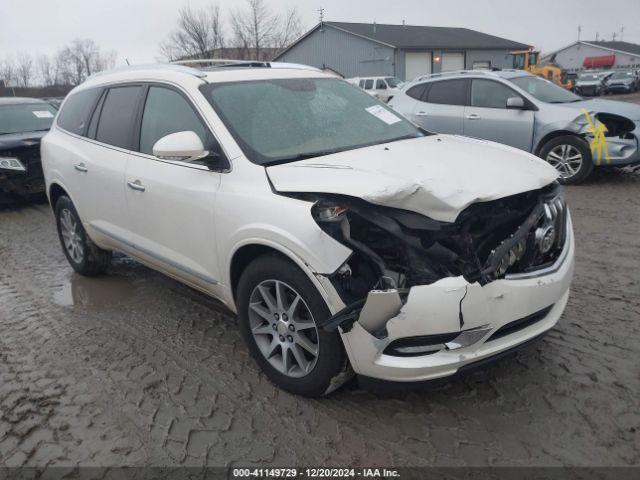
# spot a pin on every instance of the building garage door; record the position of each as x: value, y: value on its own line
x: 452, y: 61
x: 416, y: 64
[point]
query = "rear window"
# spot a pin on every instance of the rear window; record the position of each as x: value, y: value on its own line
x: 368, y: 84
x: 417, y: 92
x: 115, y: 126
x: 76, y: 110
x: 448, y: 92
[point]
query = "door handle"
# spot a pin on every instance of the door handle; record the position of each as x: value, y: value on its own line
x: 81, y: 167
x: 421, y: 114
x: 136, y: 186
x: 473, y: 116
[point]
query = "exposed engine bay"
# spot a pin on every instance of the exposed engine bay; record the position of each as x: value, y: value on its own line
x: 397, y: 249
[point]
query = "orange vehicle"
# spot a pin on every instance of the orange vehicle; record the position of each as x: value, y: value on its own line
x: 528, y: 60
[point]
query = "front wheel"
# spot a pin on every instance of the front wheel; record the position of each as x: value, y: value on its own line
x: 570, y: 156
x: 85, y: 257
x: 279, y: 310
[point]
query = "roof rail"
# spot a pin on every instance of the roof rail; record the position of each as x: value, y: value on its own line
x: 455, y: 72
x: 164, y: 66
x: 212, y: 64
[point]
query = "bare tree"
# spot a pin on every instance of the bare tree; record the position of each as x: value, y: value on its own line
x: 47, y: 71
x: 256, y: 28
x: 24, y: 69
x: 290, y: 29
x: 80, y: 59
x: 7, y: 70
x: 199, y: 34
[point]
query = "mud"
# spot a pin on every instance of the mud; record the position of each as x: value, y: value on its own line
x: 134, y: 368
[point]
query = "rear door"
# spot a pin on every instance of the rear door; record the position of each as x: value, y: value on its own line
x: 487, y: 115
x: 441, y: 109
x: 171, y: 203
x: 99, y: 174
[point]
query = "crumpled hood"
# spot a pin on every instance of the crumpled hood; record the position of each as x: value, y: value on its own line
x: 437, y: 176
x: 625, y: 109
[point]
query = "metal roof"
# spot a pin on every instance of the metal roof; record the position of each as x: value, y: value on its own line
x: 414, y: 36
x: 628, y: 47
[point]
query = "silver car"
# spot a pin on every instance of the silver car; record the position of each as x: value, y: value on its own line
x: 526, y: 112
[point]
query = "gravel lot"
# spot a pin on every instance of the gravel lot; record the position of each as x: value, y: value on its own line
x: 135, y: 369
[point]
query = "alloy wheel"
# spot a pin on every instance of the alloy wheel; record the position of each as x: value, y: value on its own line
x: 566, y: 159
x: 71, y: 236
x: 283, y: 328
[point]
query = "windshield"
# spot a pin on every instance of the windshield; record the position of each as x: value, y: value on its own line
x: 618, y: 75
x: 589, y: 77
x: 284, y: 120
x: 544, y: 90
x: 393, y: 82
x: 26, y: 117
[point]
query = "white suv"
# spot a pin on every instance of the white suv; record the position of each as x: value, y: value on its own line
x: 346, y: 238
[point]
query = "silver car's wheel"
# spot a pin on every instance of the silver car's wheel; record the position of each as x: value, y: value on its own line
x: 566, y: 159
x: 71, y: 237
x: 283, y: 328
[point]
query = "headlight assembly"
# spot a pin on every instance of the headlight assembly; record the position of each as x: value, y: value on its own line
x: 13, y: 164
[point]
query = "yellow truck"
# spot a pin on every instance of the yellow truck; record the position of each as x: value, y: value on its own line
x: 528, y: 60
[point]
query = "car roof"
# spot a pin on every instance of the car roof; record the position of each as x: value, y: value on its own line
x: 505, y: 74
x: 185, y: 74
x: 19, y: 100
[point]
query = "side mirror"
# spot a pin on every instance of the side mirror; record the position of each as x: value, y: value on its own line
x: 180, y: 146
x: 516, y: 103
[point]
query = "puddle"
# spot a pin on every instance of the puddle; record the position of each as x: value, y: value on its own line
x: 93, y: 292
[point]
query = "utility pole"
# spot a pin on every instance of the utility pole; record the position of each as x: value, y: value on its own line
x: 579, y: 31
x: 613, y: 37
x: 622, y: 33
x: 321, y: 12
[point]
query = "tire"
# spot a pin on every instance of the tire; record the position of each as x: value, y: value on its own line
x: 570, y: 172
x: 309, y: 375
x: 85, y: 257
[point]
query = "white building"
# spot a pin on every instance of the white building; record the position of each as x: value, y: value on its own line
x: 596, y: 54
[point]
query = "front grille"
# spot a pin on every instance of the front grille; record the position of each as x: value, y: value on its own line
x: 520, y: 324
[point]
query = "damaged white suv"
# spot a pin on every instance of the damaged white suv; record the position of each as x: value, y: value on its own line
x: 345, y: 238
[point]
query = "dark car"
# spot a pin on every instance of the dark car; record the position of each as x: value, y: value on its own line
x: 23, y: 123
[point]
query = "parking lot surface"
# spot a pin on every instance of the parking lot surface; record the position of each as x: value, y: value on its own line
x: 133, y: 368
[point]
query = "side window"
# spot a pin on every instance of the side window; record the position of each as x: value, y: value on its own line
x: 417, y: 91
x: 490, y: 94
x: 115, y: 126
x: 167, y: 112
x: 448, y: 92
x: 380, y: 85
x: 361, y: 84
x: 77, y: 108
x: 368, y: 84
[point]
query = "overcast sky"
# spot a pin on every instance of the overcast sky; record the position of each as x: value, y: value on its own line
x: 133, y: 28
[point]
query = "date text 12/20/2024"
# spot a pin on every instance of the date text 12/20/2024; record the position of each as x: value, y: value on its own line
x: 315, y: 473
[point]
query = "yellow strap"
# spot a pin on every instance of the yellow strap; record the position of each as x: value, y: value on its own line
x: 599, y: 143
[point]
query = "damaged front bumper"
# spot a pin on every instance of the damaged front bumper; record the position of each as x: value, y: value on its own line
x: 456, y: 322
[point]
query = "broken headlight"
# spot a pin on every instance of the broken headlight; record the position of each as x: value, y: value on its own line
x: 9, y: 163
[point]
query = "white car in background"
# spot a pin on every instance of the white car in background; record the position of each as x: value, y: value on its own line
x: 383, y: 88
x: 345, y: 238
